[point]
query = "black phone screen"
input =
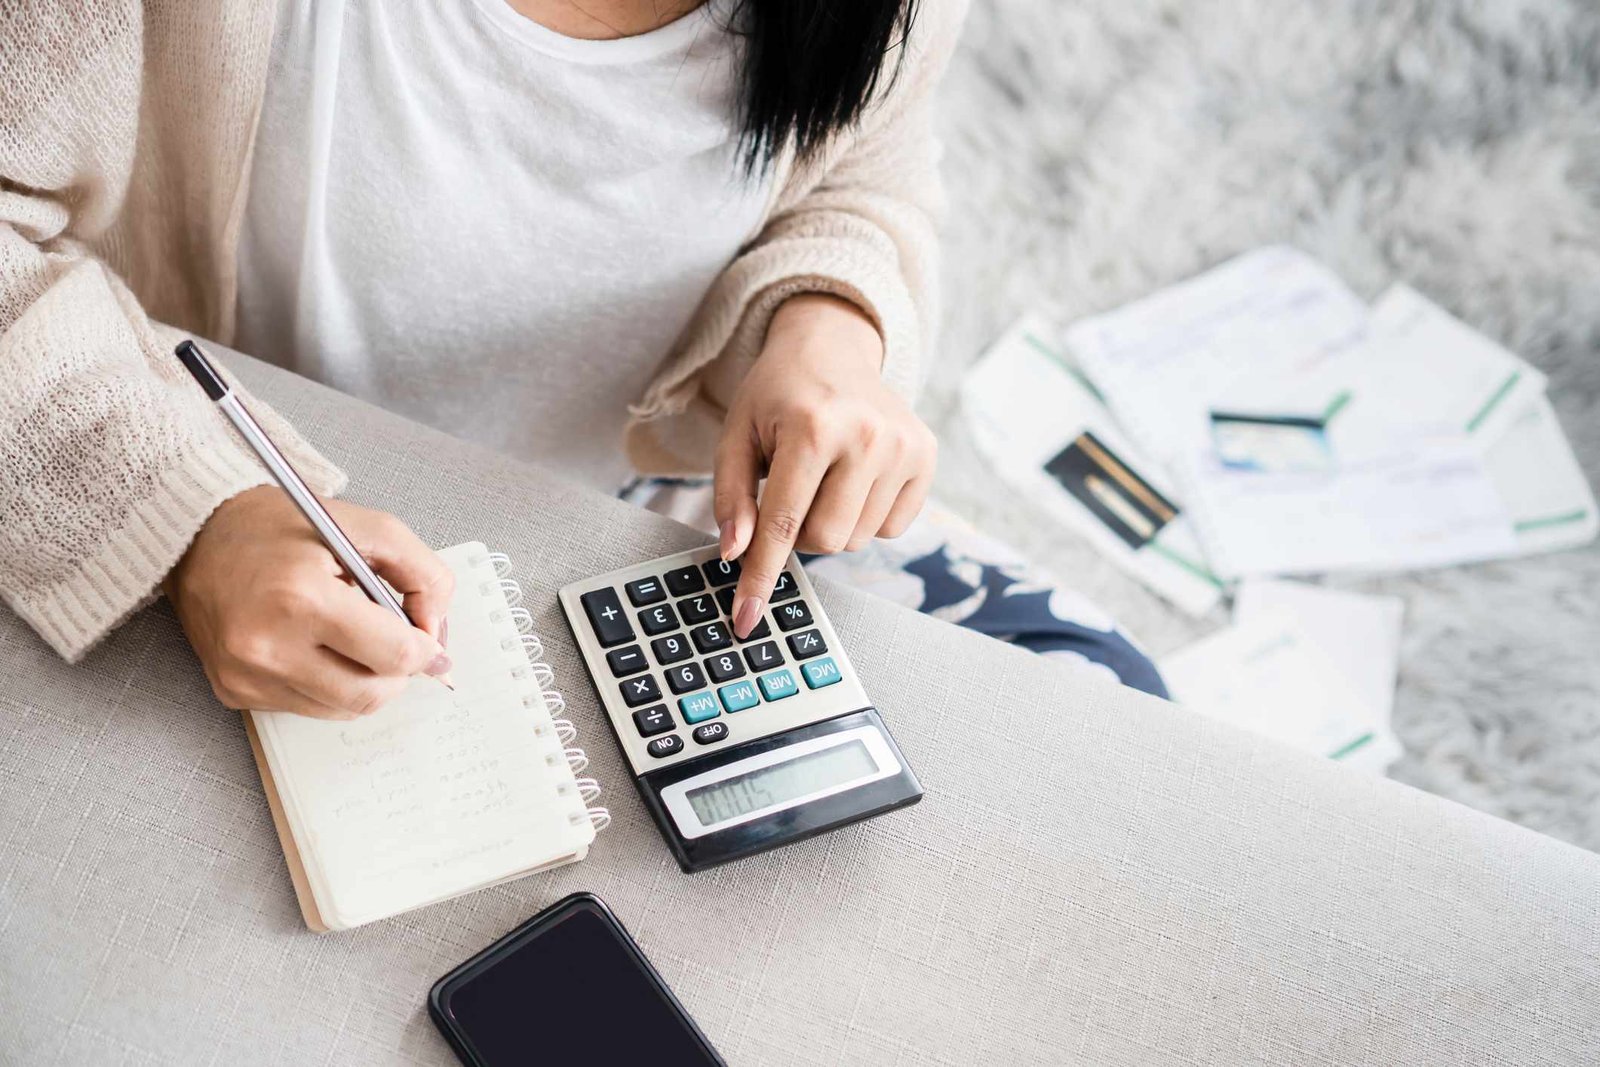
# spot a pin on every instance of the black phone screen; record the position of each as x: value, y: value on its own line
x: 570, y: 986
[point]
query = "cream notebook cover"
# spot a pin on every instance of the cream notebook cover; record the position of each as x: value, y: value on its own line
x: 439, y: 793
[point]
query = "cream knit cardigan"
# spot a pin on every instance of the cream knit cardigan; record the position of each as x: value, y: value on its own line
x: 125, y: 137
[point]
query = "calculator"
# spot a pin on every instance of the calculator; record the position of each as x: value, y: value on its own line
x: 735, y: 746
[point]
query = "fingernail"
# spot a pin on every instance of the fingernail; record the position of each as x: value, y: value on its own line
x: 440, y: 664
x: 444, y: 632
x: 749, y: 614
x: 725, y: 541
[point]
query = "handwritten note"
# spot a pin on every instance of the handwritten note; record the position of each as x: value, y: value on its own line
x: 438, y: 792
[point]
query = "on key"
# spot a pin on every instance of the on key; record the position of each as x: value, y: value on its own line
x: 605, y: 613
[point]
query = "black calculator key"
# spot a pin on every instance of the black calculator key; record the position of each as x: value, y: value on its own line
x: 662, y: 747
x: 712, y: 637
x: 757, y: 632
x: 646, y: 591
x: 687, y: 677
x: 606, y: 616
x: 725, y: 600
x: 685, y: 580
x: 792, y: 616
x: 785, y: 588
x: 670, y: 649
x: 807, y: 644
x: 626, y: 661
x: 725, y: 667
x: 641, y: 690
x: 711, y: 732
x: 762, y: 656
x: 658, y: 620
x: 721, y: 572
x: 652, y: 721
x: 698, y: 608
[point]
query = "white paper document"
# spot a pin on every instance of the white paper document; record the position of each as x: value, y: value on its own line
x: 1428, y: 505
x: 1422, y: 372
x: 1358, y: 633
x: 1270, y: 677
x: 1165, y: 362
x: 1545, y: 491
x: 1030, y: 411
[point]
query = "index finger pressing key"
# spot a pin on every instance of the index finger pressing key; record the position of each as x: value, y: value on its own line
x: 790, y: 489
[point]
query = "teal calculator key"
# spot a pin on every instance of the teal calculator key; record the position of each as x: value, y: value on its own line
x: 777, y: 685
x: 820, y: 672
x: 738, y: 696
x: 698, y: 707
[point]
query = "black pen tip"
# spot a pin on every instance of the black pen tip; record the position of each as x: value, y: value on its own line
x: 195, y: 360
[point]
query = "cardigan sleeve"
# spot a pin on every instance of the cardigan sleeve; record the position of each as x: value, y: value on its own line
x: 110, y: 461
x: 860, y: 223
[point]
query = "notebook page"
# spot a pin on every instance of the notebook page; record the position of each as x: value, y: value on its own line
x: 438, y: 793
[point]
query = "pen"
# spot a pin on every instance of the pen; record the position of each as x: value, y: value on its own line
x: 198, y: 365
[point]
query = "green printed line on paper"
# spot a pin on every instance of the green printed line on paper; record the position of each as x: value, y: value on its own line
x: 1550, y: 520
x: 1336, y: 405
x: 1061, y: 361
x: 1187, y: 564
x: 1493, y: 402
x: 1341, y: 753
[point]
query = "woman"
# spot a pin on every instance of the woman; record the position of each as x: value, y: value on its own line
x: 706, y: 231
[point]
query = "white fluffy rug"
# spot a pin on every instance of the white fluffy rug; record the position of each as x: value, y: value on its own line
x: 1098, y: 149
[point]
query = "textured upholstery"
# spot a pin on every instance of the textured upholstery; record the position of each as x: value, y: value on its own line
x: 1093, y: 876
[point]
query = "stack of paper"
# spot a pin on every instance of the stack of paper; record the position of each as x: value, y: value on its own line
x: 1441, y: 447
x: 1051, y: 439
x: 1260, y: 420
x: 1313, y: 668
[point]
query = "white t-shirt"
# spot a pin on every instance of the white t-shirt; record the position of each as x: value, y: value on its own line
x: 467, y: 218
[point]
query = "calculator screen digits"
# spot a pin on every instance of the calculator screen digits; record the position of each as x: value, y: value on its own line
x: 766, y: 787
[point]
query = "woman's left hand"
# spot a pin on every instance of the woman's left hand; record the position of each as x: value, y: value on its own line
x: 845, y: 458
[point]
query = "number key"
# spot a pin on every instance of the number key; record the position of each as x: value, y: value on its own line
x: 722, y: 668
x: 658, y: 620
x: 792, y: 616
x: 684, y: 678
x: 698, y: 608
x: 762, y: 656
x: 645, y: 591
x: 725, y: 600
x: 670, y: 649
x: 685, y: 580
x: 721, y: 572
x: 712, y: 637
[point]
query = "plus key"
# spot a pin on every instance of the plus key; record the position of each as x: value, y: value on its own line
x: 605, y: 613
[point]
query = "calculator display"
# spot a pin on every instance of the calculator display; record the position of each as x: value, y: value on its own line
x: 768, y: 787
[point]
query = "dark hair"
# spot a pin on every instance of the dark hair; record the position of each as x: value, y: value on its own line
x: 811, y: 67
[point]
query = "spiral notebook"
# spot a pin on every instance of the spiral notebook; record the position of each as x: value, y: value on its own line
x: 439, y: 793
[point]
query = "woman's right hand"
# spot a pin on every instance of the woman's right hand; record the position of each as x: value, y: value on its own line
x: 277, y: 625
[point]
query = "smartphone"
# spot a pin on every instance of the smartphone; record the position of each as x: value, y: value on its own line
x: 567, y: 986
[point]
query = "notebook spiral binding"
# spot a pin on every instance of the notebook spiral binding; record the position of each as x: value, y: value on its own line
x: 588, y: 789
